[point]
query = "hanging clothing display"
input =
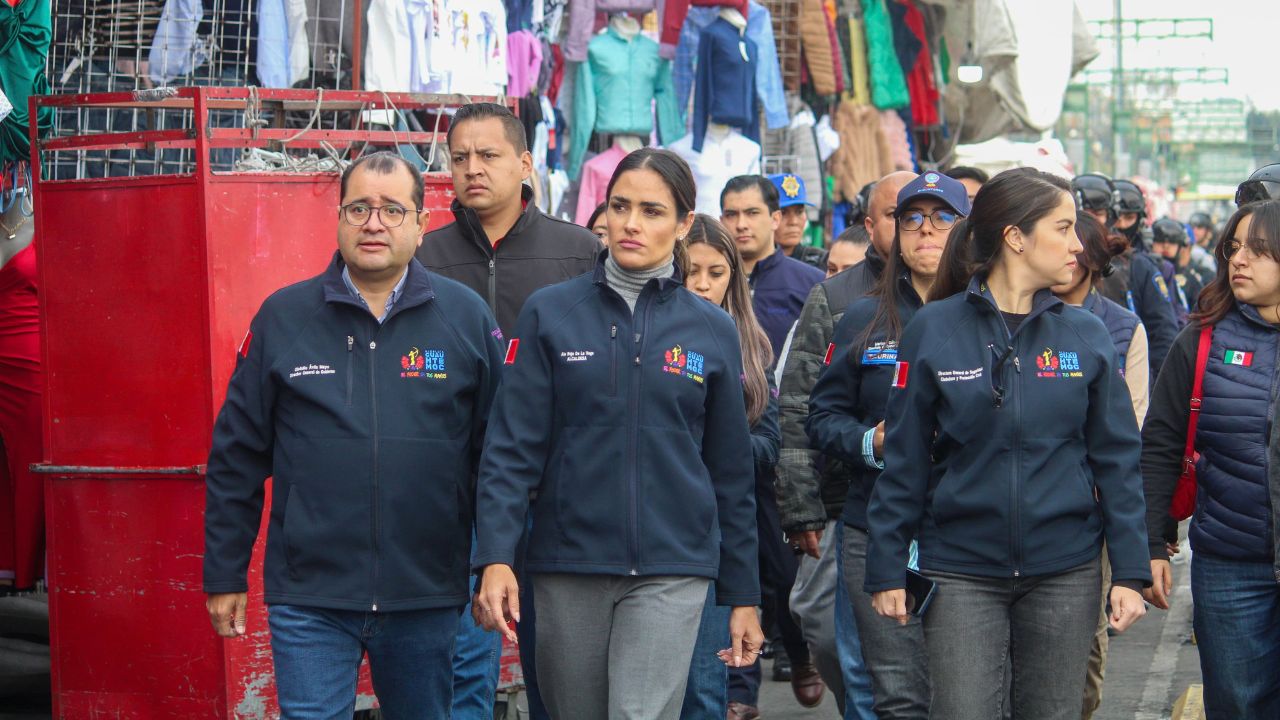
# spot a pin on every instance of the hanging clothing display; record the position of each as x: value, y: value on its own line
x: 615, y: 91
x: 174, y: 50
x: 816, y: 42
x: 27, y: 32
x: 921, y: 86
x: 284, y: 56
x: 524, y: 63
x: 888, y: 85
x: 725, y: 88
x: 864, y: 155
x: 799, y: 140
x: 895, y: 133
x: 582, y: 22
x: 860, y: 89
x: 595, y: 180
x: 723, y: 157
x: 768, y: 71
x: 673, y: 17
x: 388, y: 54
x: 21, y: 420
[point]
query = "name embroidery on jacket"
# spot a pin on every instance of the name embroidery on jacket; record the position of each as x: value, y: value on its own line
x: 884, y: 352
x: 947, y: 376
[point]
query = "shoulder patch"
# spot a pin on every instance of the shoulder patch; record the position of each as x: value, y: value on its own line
x: 513, y: 346
x: 244, y: 344
x: 831, y: 350
x: 900, y: 371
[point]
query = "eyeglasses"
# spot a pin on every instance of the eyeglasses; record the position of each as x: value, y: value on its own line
x: 1257, y: 247
x: 358, y: 214
x: 939, y: 219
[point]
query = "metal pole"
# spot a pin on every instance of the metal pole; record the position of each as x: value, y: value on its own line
x: 1118, y: 90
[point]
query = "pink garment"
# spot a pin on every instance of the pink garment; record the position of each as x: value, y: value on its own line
x: 524, y: 63
x: 595, y: 181
x: 895, y: 133
x: 582, y: 22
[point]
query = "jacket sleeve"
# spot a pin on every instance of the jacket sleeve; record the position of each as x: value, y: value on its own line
x: 490, y: 374
x: 1164, y: 437
x: 1114, y: 447
x: 1154, y: 310
x: 834, y: 425
x: 702, y: 92
x: 1137, y: 374
x: 584, y: 117
x: 898, y: 498
x: 765, y: 434
x: 670, y: 119
x: 769, y: 79
x: 516, y: 446
x: 726, y: 448
x: 799, y: 499
x: 673, y: 16
x: 239, y: 463
x: 582, y: 22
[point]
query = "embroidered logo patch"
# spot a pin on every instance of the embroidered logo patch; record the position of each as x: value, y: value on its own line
x: 687, y: 363
x: 427, y: 364
x: 1161, y: 285
x: 791, y: 186
x: 1238, y: 357
x: 884, y: 352
x: 1051, y: 364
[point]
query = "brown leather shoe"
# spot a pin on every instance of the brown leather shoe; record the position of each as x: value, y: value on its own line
x: 807, y: 685
x: 738, y: 711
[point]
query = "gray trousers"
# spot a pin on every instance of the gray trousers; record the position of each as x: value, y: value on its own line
x: 894, y: 654
x: 616, y: 647
x: 813, y: 606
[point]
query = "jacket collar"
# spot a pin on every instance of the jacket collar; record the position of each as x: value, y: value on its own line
x: 873, y: 260
x: 765, y: 264
x: 417, y: 286
x: 666, y: 285
x: 1044, y: 300
x: 469, y: 222
x: 1253, y: 316
x: 906, y: 290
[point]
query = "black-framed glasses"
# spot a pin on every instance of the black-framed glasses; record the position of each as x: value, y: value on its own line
x: 940, y: 219
x: 358, y: 214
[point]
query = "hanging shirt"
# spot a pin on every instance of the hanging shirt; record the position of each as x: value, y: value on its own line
x: 721, y: 159
x: 388, y: 52
x: 768, y: 71
x: 174, y: 49
x: 284, y: 56
x: 524, y: 63
x: 582, y: 22
x: 615, y: 91
x: 725, y: 89
x: 595, y: 181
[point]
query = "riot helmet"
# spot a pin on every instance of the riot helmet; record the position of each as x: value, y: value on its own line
x: 1263, y: 184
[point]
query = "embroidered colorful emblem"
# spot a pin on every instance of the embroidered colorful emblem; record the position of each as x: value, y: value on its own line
x: 931, y: 179
x: 1238, y: 357
x: 427, y: 364
x: 1051, y: 364
x: 687, y: 363
x: 791, y: 186
x: 884, y: 352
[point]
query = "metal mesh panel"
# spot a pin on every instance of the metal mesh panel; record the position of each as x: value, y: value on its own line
x: 786, y: 33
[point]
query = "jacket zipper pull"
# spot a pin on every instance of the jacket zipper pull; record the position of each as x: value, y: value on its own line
x: 613, y: 332
x: 1017, y: 366
x: 351, y: 342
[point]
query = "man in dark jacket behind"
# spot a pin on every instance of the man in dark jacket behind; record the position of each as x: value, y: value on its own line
x: 503, y: 247
x: 364, y: 393
x: 807, y: 504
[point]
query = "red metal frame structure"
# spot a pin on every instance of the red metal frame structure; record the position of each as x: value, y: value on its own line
x: 147, y: 286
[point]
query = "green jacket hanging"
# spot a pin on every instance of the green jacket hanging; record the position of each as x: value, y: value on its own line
x: 25, y: 35
x: 888, y: 85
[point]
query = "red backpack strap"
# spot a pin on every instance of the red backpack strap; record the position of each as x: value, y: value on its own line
x: 1197, y: 394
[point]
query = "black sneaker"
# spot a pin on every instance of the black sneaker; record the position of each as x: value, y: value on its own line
x: 782, y: 668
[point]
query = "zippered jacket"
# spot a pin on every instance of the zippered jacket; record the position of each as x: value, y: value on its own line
x: 995, y: 446
x: 633, y: 431
x: 538, y: 251
x: 372, y: 433
x: 850, y: 397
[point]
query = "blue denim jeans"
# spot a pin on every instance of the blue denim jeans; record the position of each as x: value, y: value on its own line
x: 859, y: 700
x: 476, y: 659
x: 1237, y: 623
x: 317, y: 655
x: 706, y: 696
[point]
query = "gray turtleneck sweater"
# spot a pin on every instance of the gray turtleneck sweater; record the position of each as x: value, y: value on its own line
x: 629, y: 283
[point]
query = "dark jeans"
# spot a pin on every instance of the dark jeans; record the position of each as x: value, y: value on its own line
x: 476, y: 659
x: 1237, y: 623
x: 706, y: 696
x: 317, y: 655
x: 894, y: 654
x: 1043, y: 626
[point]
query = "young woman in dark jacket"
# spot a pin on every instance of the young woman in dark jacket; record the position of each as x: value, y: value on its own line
x: 1235, y: 569
x: 846, y: 420
x: 715, y: 274
x: 1011, y: 451
x: 622, y: 408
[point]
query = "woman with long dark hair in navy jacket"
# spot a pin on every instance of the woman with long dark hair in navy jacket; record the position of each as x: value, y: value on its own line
x: 846, y: 420
x: 1011, y: 451
x: 622, y: 409
x: 1235, y: 528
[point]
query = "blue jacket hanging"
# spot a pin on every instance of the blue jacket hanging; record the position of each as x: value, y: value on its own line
x: 725, y: 88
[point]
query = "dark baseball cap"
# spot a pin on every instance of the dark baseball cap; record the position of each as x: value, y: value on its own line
x: 935, y: 185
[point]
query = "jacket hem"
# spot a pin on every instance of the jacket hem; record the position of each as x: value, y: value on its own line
x: 1045, y: 568
x: 426, y: 602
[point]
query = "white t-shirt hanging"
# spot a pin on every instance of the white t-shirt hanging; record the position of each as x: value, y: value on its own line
x: 722, y: 159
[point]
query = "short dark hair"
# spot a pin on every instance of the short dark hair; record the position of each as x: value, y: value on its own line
x: 965, y: 172
x: 854, y: 234
x: 511, y: 125
x: 386, y: 163
x: 595, y: 214
x: 743, y: 183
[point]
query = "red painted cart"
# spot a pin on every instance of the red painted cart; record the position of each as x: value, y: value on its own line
x: 147, y: 285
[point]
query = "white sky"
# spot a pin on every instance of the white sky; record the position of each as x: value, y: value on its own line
x: 1244, y: 35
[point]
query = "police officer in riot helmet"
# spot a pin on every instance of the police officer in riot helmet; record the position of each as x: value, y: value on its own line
x: 1169, y: 240
x: 1263, y: 184
x: 1130, y: 207
x: 1095, y: 194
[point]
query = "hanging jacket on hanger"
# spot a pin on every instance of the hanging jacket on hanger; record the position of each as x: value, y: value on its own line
x: 888, y: 85
x: 816, y: 43
x: 582, y: 22
x: 725, y: 89
x: 674, y: 13
x: 768, y: 71
x: 28, y: 33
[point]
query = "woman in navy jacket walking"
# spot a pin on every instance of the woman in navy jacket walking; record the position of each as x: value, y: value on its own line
x: 622, y: 409
x: 846, y: 420
x: 1235, y: 528
x: 1011, y: 452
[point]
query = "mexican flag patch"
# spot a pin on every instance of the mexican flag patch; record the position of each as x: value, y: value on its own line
x: 1238, y: 357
